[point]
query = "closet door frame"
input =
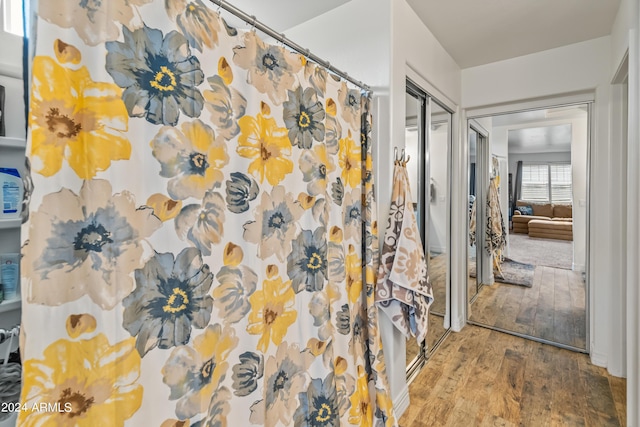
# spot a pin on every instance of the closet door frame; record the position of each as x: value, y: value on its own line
x: 422, y: 194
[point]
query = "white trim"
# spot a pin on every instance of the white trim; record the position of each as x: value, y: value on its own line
x: 9, y: 70
x: 10, y: 305
x: 457, y: 323
x: 622, y: 73
x: 598, y: 359
x: 578, y: 267
x: 438, y: 249
x: 534, y: 104
x: 633, y: 227
x: 11, y: 142
x: 401, y: 403
x: 414, y: 75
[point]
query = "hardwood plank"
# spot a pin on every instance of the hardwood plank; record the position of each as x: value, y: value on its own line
x: 463, y: 412
x: 495, y: 421
x: 479, y: 377
x: 600, y: 407
x: 563, y: 327
x: 507, y: 387
x: 537, y: 396
x: 619, y: 393
x: 543, y: 325
x: 529, y: 304
x: 568, y: 388
x: 511, y: 307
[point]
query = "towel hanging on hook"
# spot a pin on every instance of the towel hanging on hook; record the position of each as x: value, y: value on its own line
x: 404, y: 290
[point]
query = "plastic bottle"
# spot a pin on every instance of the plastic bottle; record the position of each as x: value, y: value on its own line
x: 11, y: 189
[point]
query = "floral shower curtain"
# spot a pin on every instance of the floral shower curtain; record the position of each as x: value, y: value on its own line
x: 201, y: 248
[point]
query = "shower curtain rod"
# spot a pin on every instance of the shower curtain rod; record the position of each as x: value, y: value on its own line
x: 250, y: 19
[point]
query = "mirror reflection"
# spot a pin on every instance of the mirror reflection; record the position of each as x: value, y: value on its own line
x: 537, y: 161
x: 428, y: 142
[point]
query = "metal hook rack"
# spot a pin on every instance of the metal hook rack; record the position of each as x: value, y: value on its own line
x: 403, y: 159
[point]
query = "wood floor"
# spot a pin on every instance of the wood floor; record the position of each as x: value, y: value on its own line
x: 552, y: 309
x: 480, y: 377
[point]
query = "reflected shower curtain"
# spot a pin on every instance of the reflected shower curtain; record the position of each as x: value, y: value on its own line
x: 201, y: 248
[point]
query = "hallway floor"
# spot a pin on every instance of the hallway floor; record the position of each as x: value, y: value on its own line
x: 480, y: 377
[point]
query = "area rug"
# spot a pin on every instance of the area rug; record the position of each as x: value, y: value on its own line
x: 536, y: 251
x: 513, y: 272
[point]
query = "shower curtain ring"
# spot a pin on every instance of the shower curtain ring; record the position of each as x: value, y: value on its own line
x: 395, y: 154
x: 253, y: 23
x: 403, y: 155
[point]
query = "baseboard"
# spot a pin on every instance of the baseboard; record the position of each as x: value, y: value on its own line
x: 437, y: 249
x: 598, y: 359
x: 458, y: 323
x: 578, y: 267
x: 401, y: 403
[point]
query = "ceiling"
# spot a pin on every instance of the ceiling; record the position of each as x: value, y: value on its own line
x: 480, y: 32
x: 281, y: 14
x: 541, y: 131
x: 473, y: 32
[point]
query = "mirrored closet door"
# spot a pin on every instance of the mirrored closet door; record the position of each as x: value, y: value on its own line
x: 428, y: 143
x: 535, y: 163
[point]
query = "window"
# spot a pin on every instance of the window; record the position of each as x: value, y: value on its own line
x: 547, y: 182
x: 12, y: 17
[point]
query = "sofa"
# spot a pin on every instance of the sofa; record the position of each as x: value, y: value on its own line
x: 543, y: 220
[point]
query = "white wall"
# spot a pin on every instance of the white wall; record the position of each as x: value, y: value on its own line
x: 578, y: 68
x: 438, y: 152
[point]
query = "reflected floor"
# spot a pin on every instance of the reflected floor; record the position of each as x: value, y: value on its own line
x: 552, y: 309
x: 438, y: 277
x: 435, y: 332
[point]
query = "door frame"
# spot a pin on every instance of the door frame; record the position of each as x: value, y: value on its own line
x: 587, y: 98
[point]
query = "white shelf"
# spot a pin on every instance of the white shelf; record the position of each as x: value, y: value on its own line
x: 10, y: 223
x: 6, y: 141
x: 10, y: 304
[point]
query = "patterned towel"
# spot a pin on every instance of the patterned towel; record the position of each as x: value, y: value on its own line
x: 404, y: 291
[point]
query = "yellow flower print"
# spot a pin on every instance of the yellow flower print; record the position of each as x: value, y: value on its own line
x: 350, y: 160
x: 78, y: 324
x: 353, y: 264
x: 74, y: 118
x: 361, y: 412
x: 267, y: 145
x: 192, y: 157
x: 206, y: 360
x: 93, y: 381
x: 272, y: 310
x: 385, y: 406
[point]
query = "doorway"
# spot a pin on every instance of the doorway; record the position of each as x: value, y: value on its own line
x: 428, y: 138
x: 535, y: 286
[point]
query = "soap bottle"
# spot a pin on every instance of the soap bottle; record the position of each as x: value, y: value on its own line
x: 11, y: 189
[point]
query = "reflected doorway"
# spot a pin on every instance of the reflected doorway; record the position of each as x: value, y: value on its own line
x: 428, y: 143
x: 541, y: 160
